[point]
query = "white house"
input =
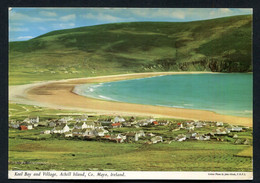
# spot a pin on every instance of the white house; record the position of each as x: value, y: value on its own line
x: 80, y: 125
x: 90, y: 124
x: 61, y: 129
x: 47, y: 132
x: 77, y: 132
x: 180, y: 138
x: 190, y: 127
x: 118, y: 119
x: 156, y: 139
x: 87, y: 132
x: 198, y: 124
x: 117, y: 137
x: 35, y: 119
x: 68, y: 134
x: 82, y: 118
x: 219, y: 124
x: 99, y: 132
x: 180, y: 125
x: 235, y: 129
x: 221, y: 131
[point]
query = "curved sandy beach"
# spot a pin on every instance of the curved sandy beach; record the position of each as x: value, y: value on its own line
x: 59, y: 95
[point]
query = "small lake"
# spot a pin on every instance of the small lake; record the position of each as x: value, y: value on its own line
x: 230, y: 94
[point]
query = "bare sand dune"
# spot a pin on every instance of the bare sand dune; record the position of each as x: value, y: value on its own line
x: 59, y: 94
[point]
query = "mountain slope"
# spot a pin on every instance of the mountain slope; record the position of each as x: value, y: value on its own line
x: 222, y: 45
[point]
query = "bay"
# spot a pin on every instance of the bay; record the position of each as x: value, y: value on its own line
x: 230, y: 94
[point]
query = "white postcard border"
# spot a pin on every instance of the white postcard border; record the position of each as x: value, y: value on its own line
x: 145, y: 175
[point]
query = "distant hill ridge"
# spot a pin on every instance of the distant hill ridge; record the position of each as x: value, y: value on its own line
x: 218, y: 45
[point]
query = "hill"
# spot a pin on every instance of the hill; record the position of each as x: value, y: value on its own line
x: 218, y: 45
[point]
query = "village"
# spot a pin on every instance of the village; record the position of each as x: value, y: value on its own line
x: 132, y: 130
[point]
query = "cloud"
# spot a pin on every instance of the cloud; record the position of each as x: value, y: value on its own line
x: 18, y: 29
x: 225, y: 10
x: 48, y: 13
x: 24, y: 37
x: 172, y: 13
x: 16, y: 17
x: 63, y: 25
x: 42, y: 28
x: 66, y: 18
x: 105, y: 17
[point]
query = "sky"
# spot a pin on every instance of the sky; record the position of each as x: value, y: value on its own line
x: 27, y: 23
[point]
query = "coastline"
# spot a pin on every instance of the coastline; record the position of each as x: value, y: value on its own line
x: 59, y: 95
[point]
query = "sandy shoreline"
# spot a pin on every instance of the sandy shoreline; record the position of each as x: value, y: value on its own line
x: 59, y: 95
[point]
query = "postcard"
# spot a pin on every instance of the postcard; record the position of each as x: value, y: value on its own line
x: 130, y: 93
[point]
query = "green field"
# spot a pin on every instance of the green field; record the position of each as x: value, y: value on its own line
x: 222, y: 45
x: 30, y: 150
x: 54, y: 154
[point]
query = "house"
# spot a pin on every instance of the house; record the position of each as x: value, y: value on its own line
x: 127, y: 124
x: 98, y: 126
x: 180, y: 138
x: 105, y: 124
x: 235, y: 129
x: 235, y: 136
x: 80, y: 125
x: 115, y: 125
x: 140, y: 133
x: 77, y: 132
x: 219, y: 124
x: 156, y: 139
x: 62, y: 120
x: 14, y: 125
x: 198, y: 124
x: 87, y: 132
x: 238, y: 141
x: 67, y: 134
x: 150, y: 134
x: 180, y: 125
x: 60, y: 129
x: 190, y: 127
x: 107, y: 136
x: 151, y: 120
x: 246, y: 142
x: 203, y: 137
x: 142, y: 123
x: 117, y: 138
x: 189, y: 122
x: 34, y: 119
x: 132, y: 119
x: 99, y: 132
x: 131, y: 137
x: 46, y: 132
x: 155, y: 123
x: 68, y: 118
x: 191, y: 135
x: 164, y: 123
x: 90, y: 124
x: 118, y: 119
x: 25, y: 126
x: 221, y: 131
x: 82, y: 118
x: 52, y: 124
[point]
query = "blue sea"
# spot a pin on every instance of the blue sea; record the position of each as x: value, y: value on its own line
x: 222, y: 93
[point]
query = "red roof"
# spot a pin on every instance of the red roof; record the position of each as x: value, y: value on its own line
x: 178, y: 123
x: 155, y: 123
x: 22, y: 127
x: 116, y: 124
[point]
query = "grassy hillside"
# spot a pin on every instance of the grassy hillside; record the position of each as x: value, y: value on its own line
x: 222, y: 44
